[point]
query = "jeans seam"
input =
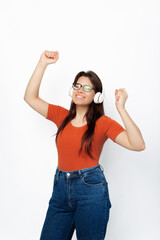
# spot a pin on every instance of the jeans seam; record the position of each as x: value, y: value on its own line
x: 70, y: 229
x: 105, y: 213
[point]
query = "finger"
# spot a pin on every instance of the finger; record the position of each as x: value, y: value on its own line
x: 55, y: 55
x: 48, y: 54
x: 122, y: 89
x: 119, y: 92
x: 52, y: 54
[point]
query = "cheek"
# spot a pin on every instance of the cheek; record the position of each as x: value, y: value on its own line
x: 90, y: 97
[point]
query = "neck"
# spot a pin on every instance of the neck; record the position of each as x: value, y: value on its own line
x: 80, y: 112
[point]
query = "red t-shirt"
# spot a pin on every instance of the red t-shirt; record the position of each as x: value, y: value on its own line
x: 69, y: 140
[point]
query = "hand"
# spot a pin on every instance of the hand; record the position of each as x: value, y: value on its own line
x: 49, y: 57
x: 121, y: 97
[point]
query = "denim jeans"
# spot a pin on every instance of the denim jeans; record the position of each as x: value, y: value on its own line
x: 80, y: 200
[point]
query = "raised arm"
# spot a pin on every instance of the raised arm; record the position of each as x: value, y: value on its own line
x: 132, y: 138
x: 32, y: 90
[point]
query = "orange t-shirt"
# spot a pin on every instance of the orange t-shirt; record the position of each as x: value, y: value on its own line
x: 69, y: 140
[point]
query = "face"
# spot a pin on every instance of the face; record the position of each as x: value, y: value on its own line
x: 87, y: 96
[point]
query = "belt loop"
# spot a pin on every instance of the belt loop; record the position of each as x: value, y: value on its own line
x: 101, y: 168
x: 79, y: 171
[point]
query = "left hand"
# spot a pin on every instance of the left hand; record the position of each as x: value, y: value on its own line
x: 121, y: 97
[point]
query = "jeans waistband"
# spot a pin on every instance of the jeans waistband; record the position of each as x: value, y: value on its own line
x: 78, y: 172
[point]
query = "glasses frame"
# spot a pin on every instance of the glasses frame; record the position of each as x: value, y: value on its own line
x: 73, y: 85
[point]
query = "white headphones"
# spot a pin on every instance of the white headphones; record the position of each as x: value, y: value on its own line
x: 98, y: 98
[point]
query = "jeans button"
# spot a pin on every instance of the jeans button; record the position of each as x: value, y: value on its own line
x: 68, y: 174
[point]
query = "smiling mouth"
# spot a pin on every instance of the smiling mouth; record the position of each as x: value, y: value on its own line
x: 80, y: 97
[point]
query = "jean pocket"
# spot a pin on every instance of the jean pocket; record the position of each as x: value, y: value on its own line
x: 92, y: 178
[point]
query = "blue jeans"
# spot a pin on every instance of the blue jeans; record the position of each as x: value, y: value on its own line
x: 80, y: 200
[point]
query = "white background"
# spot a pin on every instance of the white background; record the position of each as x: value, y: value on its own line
x: 120, y: 41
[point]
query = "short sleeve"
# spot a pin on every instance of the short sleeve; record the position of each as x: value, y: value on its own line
x: 111, y: 128
x: 56, y: 113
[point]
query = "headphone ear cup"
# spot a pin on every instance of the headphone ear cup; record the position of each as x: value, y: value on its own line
x: 99, y: 97
x: 96, y: 97
x: 70, y: 92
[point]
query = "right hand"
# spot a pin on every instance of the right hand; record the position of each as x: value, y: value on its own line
x: 49, y: 57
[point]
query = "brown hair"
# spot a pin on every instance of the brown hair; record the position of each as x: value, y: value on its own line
x: 94, y: 112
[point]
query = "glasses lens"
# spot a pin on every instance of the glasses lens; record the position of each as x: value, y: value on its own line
x: 76, y: 86
x: 87, y: 88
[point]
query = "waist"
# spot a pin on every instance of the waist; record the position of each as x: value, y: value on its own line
x: 78, y: 172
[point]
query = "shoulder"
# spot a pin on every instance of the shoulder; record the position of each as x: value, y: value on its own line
x: 104, y: 119
x: 56, y: 113
x: 58, y: 108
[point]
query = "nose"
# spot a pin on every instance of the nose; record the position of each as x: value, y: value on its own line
x: 80, y: 90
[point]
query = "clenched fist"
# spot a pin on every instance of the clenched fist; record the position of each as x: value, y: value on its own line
x: 120, y: 97
x: 49, y: 57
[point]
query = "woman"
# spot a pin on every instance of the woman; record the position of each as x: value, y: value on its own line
x: 80, y: 198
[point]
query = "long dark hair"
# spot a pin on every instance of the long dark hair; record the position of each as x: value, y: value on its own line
x: 94, y: 112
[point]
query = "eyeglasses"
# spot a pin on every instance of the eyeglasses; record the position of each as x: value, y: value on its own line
x: 86, y: 88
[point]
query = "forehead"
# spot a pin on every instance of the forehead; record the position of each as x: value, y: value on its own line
x: 84, y: 80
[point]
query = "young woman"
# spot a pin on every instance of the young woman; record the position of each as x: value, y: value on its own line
x: 80, y: 197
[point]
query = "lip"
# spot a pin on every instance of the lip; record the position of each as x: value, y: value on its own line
x: 79, y: 95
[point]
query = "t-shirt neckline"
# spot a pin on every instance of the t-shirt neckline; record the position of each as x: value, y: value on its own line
x: 77, y: 127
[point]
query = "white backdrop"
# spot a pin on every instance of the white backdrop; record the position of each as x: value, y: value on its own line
x: 119, y: 40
